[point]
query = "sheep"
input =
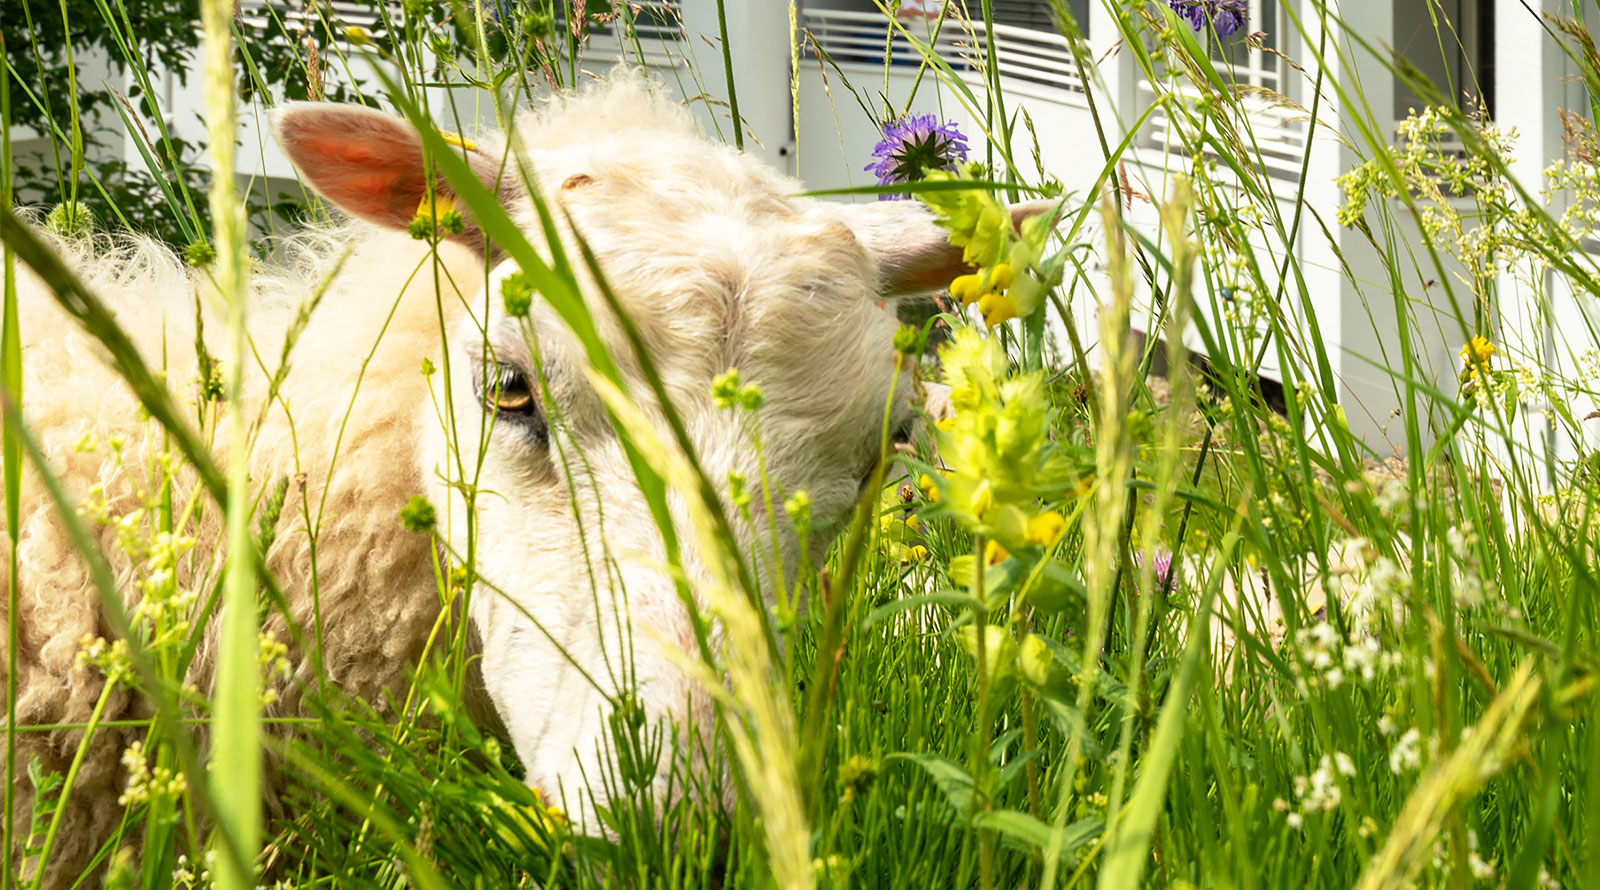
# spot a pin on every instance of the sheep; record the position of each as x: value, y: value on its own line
x: 713, y: 255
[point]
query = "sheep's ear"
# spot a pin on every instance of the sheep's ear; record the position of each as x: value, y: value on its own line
x: 368, y: 163
x: 914, y: 253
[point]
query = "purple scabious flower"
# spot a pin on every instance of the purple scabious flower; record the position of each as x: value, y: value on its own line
x: 1226, y: 16
x: 912, y: 146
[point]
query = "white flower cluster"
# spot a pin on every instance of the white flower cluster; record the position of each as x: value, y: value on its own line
x: 1318, y: 792
x: 1481, y: 869
x: 1406, y: 753
x: 1467, y: 582
x: 1328, y: 658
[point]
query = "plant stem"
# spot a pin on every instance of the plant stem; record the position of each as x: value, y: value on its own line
x: 727, y: 67
x: 236, y: 703
x: 980, y: 732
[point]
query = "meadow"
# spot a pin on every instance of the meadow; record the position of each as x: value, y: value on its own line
x: 1098, y: 627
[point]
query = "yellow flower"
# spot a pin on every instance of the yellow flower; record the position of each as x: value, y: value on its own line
x: 436, y: 205
x: 982, y: 499
x: 928, y: 487
x: 1478, y: 351
x: 1045, y: 528
x: 967, y: 288
x: 997, y: 309
x: 919, y: 553
x: 1000, y: 278
x: 1475, y: 355
x: 994, y: 554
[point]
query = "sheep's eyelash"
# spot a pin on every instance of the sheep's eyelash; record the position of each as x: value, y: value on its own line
x: 532, y: 427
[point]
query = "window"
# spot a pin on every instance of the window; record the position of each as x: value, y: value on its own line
x: 1251, y: 59
x: 1452, y: 43
x: 1254, y: 61
x: 1035, y: 14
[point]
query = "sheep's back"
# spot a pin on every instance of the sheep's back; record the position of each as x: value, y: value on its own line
x: 373, y: 580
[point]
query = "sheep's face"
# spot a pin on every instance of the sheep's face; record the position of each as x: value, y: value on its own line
x: 718, y: 266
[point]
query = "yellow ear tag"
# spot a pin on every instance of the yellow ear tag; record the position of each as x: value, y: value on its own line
x: 458, y: 140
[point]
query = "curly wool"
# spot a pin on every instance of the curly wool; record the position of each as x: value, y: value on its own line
x: 371, y: 573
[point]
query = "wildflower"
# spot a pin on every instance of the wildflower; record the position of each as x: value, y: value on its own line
x: 199, y: 253
x: 1161, y: 566
x: 856, y: 775
x: 1475, y: 355
x: 1320, y: 790
x: 798, y: 506
x: 1407, y: 752
x: 738, y: 493
x: 1044, y: 529
x: 70, y: 219
x: 436, y: 214
x: 728, y: 391
x: 907, y: 340
x: 1226, y: 16
x: 997, y: 309
x: 999, y: 457
x: 181, y: 875
x: 930, y: 490
x: 994, y: 554
x: 912, y: 147
x: 418, y: 515
x: 1011, y: 273
x: 1363, y: 658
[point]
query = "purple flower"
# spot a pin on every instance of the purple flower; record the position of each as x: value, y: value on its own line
x: 1226, y: 16
x: 1161, y: 565
x: 912, y: 146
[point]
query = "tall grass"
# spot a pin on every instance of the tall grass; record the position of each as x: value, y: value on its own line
x: 1351, y: 675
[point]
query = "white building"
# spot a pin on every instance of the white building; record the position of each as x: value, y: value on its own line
x: 811, y: 96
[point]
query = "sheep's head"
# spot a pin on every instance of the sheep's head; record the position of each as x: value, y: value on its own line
x: 719, y: 265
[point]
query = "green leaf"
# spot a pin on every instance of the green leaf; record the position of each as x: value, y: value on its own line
x: 1057, y: 589
x: 1029, y: 833
x: 949, y: 777
x: 951, y: 598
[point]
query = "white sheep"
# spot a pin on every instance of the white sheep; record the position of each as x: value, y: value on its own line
x: 712, y: 254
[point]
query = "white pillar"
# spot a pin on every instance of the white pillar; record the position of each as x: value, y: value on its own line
x: 1119, y: 75
x: 1540, y: 322
x: 1356, y: 311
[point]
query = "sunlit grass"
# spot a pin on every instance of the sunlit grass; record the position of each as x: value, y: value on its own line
x: 1412, y: 712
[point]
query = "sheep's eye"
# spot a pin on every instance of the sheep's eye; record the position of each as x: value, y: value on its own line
x: 507, y: 393
x: 903, y: 434
x: 512, y: 393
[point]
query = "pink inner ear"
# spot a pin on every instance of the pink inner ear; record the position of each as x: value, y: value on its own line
x: 365, y: 162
